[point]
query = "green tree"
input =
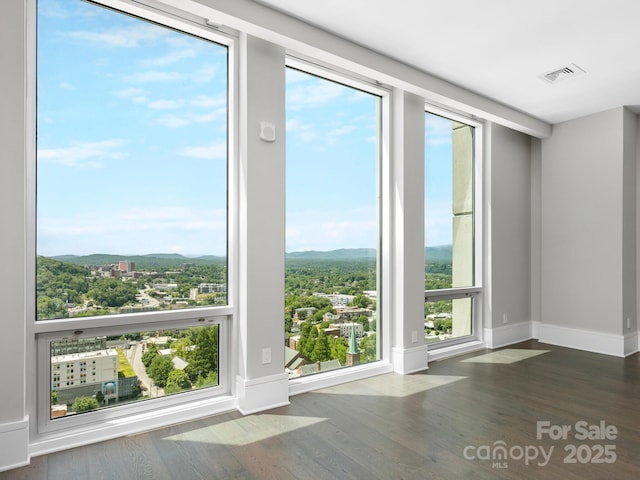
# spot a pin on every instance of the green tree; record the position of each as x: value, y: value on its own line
x: 111, y: 292
x: 339, y: 346
x: 310, y: 344
x: 177, y: 381
x: 321, y: 349
x: 364, y: 321
x: 361, y: 301
x: 54, y: 398
x: 150, y: 354
x: 210, y: 380
x: 99, y: 397
x: 204, y: 357
x: 179, y: 378
x: 159, y: 370
x: 84, y: 404
x: 305, y: 329
x: 368, y: 348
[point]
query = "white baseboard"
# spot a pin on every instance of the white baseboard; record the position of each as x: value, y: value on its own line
x: 14, y: 438
x: 337, y: 377
x: 591, y: 341
x: 508, y: 334
x: 410, y: 360
x: 264, y: 393
x: 132, y: 424
x: 631, y: 343
x: 440, y: 353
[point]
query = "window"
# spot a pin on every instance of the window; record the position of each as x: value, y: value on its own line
x: 332, y: 209
x: 450, y: 260
x: 131, y: 260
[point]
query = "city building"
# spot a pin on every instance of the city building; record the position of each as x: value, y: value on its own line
x: 557, y: 204
x: 85, y: 373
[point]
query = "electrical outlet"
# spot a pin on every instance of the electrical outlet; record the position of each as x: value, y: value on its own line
x: 628, y: 323
x: 414, y: 336
x: 505, y: 319
x: 266, y: 355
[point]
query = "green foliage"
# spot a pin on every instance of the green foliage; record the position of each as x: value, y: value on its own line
x: 339, y: 347
x: 124, y: 367
x: 56, y: 284
x: 84, y: 404
x: 441, y: 306
x: 348, y: 276
x: 437, y: 281
x: 99, y: 397
x: 149, y: 355
x: 310, y: 343
x: 361, y: 301
x: 364, y: 321
x: 321, y: 349
x: 204, y: 357
x: 159, y: 370
x: 111, y: 292
x: 209, y: 381
x: 54, y: 398
x: 368, y: 348
x: 177, y: 381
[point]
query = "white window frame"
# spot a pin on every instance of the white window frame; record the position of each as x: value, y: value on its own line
x: 158, y: 411
x: 385, y: 231
x: 474, y: 292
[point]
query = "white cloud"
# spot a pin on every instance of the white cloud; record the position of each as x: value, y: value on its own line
x: 341, y: 131
x: 165, y: 104
x: 303, y: 131
x: 184, y: 119
x: 209, y: 152
x: 164, y: 229
x: 204, y: 101
x: 123, y: 38
x: 87, y: 154
x: 205, y: 74
x: 152, y: 76
x: 437, y: 130
x: 171, y: 57
x: 354, y: 227
x: 312, y: 94
x: 66, y: 86
x: 136, y: 95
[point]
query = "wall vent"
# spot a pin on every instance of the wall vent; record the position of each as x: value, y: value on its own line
x: 562, y: 73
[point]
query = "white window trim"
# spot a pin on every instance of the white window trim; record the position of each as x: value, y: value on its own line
x: 474, y: 341
x: 51, y: 435
x: 385, y: 230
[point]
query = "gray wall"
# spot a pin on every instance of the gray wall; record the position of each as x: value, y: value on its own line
x: 583, y: 223
x: 510, y: 245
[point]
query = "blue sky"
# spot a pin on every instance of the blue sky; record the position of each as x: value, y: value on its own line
x: 132, y: 151
x: 131, y: 136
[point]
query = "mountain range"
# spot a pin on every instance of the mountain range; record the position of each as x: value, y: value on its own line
x: 437, y: 254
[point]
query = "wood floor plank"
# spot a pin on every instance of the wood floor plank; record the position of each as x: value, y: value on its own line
x: 420, y: 426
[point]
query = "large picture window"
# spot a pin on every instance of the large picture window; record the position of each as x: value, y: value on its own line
x: 131, y: 205
x: 333, y: 234
x: 450, y: 266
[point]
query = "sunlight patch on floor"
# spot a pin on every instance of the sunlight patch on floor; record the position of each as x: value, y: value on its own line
x: 506, y: 356
x: 246, y: 430
x: 392, y: 385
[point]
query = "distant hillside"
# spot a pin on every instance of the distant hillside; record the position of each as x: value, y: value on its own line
x: 439, y: 254
x: 340, y: 254
x: 150, y: 261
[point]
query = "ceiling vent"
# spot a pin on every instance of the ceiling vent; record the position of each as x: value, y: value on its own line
x: 568, y: 71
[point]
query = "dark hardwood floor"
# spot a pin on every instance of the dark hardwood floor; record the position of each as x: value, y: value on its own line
x: 447, y: 422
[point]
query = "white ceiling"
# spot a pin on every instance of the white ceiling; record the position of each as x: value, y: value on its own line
x: 500, y: 48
